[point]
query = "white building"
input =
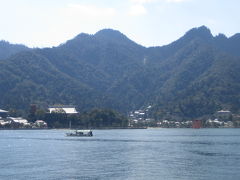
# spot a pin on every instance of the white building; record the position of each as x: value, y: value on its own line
x: 19, y: 120
x: 225, y: 114
x: 63, y: 109
x: 40, y: 123
x: 3, y: 123
x: 3, y: 113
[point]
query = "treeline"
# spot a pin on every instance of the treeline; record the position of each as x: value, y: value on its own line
x: 97, y: 118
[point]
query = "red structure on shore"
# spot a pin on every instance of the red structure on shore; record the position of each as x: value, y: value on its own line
x: 197, y: 124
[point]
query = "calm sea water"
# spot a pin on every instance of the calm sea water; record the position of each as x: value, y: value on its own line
x: 147, y: 154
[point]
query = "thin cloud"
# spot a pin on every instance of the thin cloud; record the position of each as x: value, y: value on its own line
x: 138, y: 6
x: 176, y: 1
x: 66, y: 22
x: 137, y: 10
x: 151, y: 1
x: 142, y: 1
x: 89, y: 11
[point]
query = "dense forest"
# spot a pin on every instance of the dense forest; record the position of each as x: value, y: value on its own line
x: 194, y: 76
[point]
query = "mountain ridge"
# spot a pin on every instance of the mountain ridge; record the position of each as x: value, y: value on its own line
x: 109, y: 70
x: 7, y: 49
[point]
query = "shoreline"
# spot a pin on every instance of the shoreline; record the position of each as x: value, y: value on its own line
x: 108, y: 128
x: 104, y: 128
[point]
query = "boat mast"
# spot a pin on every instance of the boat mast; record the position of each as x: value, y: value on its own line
x: 70, y: 124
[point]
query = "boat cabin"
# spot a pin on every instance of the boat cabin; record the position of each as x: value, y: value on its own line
x: 80, y: 133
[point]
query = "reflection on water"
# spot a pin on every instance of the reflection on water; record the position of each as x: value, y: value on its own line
x: 183, y: 154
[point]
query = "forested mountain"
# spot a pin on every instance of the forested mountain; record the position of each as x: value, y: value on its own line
x: 191, y: 77
x: 7, y: 49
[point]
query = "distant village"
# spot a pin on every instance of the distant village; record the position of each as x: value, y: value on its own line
x: 221, y: 119
x: 62, y: 116
x: 9, y: 122
x: 136, y: 119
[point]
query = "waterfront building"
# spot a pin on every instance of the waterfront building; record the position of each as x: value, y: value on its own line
x: 18, y: 120
x: 68, y: 109
x: 223, y: 114
x: 40, y: 124
x: 3, y: 113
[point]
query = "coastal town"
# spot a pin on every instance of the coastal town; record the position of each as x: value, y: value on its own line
x: 220, y: 119
x: 9, y: 122
x: 136, y: 119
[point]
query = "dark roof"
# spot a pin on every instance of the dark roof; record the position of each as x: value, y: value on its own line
x: 62, y: 106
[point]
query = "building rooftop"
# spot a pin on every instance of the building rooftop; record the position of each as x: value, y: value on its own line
x: 3, y: 111
x: 62, y: 106
x: 224, y: 111
x: 68, y: 109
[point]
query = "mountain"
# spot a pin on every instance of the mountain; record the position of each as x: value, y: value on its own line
x: 7, y: 49
x: 191, y: 77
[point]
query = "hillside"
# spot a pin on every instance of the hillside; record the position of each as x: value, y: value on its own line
x: 191, y: 77
x: 7, y: 49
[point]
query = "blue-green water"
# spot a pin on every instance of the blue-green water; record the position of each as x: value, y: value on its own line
x: 147, y: 154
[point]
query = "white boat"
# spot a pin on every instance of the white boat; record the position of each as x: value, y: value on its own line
x: 80, y: 133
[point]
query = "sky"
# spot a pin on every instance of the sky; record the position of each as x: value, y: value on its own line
x: 47, y: 23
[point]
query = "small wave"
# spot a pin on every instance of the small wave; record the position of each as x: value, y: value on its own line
x: 203, y: 153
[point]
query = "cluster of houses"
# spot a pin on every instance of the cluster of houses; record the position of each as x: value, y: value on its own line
x: 7, y: 121
x: 140, y: 118
x: 220, y: 119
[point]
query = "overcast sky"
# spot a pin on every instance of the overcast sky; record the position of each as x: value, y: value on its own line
x: 46, y: 23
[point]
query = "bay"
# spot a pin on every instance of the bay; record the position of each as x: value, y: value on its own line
x: 170, y: 154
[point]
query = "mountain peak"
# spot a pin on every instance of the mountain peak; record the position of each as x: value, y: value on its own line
x: 82, y: 35
x: 7, y: 49
x: 202, y: 32
x: 111, y: 34
x: 104, y: 32
x: 221, y: 36
x: 3, y: 42
x: 235, y: 36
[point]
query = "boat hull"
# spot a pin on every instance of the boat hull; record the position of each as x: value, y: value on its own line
x: 83, y: 133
